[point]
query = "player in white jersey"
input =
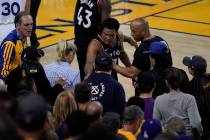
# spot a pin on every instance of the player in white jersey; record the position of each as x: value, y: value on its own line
x: 8, y: 10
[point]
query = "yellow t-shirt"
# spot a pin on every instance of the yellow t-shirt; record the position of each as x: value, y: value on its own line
x: 127, y: 134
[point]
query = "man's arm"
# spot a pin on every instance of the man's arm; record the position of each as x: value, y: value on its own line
x: 124, y: 57
x: 105, y: 9
x: 128, y: 39
x: 7, y: 52
x: 27, y: 6
x: 130, y: 72
x: 93, y: 48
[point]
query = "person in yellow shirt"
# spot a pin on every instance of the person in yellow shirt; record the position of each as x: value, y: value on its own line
x: 132, y: 119
x: 12, y: 46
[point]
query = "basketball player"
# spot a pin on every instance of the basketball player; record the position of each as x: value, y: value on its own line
x: 8, y: 10
x: 110, y: 40
x: 88, y: 16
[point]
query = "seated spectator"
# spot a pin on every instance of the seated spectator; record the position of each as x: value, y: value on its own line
x: 150, y: 129
x: 104, y: 88
x: 77, y: 124
x: 144, y: 89
x: 98, y: 131
x: 132, y: 119
x: 177, y: 103
x: 27, y: 83
x: 94, y: 111
x: 62, y: 68
x: 200, y: 89
x: 82, y: 94
x: 176, y: 126
x: 165, y: 136
x: 8, y: 129
x: 7, y: 100
x: 64, y: 106
x: 31, y: 116
x: 31, y: 67
x: 112, y: 121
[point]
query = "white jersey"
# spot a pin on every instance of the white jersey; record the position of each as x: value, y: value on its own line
x: 9, y: 9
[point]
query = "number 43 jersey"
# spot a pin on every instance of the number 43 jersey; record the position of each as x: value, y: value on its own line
x: 86, y: 20
x: 9, y: 9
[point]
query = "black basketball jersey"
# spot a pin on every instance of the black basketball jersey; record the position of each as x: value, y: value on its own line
x: 86, y: 21
x: 113, y: 51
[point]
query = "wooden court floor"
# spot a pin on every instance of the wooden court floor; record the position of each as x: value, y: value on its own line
x: 185, y: 25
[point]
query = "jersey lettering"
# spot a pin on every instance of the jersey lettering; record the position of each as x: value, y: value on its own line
x: 80, y: 19
x: 8, y: 8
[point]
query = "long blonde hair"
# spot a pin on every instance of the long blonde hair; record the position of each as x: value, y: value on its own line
x: 64, y: 48
x: 64, y: 106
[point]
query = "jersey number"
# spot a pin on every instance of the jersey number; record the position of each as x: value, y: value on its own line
x: 87, y: 17
x: 8, y: 8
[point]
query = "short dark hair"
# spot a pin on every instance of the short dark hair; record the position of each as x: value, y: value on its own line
x: 103, y: 62
x: 146, y: 82
x: 111, y: 23
x: 112, y: 121
x: 26, y: 83
x: 82, y: 92
x: 77, y: 123
x: 132, y: 113
x: 19, y: 16
x: 173, y: 77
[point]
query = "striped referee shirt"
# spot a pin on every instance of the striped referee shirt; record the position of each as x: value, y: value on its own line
x: 62, y: 69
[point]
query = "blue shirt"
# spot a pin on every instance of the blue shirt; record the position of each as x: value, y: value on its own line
x: 107, y: 91
x: 62, y: 69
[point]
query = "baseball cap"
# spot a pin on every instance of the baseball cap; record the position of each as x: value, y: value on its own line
x: 32, y: 53
x: 103, y: 60
x: 150, y: 129
x: 146, y: 81
x: 195, y: 62
x: 31, y: 112
x: 157, y: 48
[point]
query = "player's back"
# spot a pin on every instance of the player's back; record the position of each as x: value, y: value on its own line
x: 86, y: 20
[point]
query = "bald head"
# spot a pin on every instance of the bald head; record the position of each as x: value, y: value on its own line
x: 139, y: 29
x: 94, y: 111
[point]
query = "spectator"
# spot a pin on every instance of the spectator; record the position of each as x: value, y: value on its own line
x: 94, y: 111
x: 31, y: 116
x: 165, y: 136
x: 104, y: 88
x: 31, y: 67
x: 13, y: 43
x: 62, y: 68
x: 77, y: 124
x: 150, y: 129
x: 28, y: 84
x: 82, y: 93
x: 177, y: 103
x: 132, y: 120
x: 141, y: 63
x: 158, y: 54
x: 144, y: 100
x: 200, y: 89
x: 64, y: 106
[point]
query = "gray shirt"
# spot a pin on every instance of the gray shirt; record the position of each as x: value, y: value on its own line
x: 180, y: 105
